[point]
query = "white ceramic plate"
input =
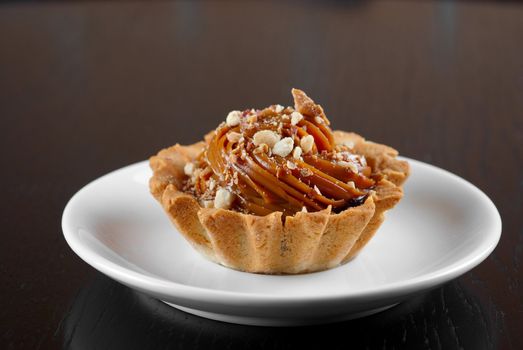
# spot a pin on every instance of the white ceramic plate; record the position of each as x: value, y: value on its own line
x: 443, y: 227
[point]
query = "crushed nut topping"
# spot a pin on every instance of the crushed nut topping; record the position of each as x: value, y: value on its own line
x: 306, y: 143
x: 233, y: 118
x: 283, y: 147
x: 211, y: 184
x: 353, y: 167
x: 296, y: 154
x: 252, y: 150
x: 262, y: 148
x: 188, y: 169
x: 266, y: 136
x: 223, y: 199
x: 234, y: 136
x: 305, y: 172
x: 296, y: 117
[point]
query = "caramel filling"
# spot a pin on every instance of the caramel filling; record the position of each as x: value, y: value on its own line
x: 278, y: 159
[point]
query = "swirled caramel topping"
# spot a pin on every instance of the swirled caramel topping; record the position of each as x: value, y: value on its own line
x: 278, y: 159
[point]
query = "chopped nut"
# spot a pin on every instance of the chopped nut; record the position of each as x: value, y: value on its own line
x: 235, y: 178
x: 278, y: 108
x: 353, y: 167
x: 291, y: 165
x: 266, y: 136
x: 280, y: 128
x: 188, y: 169
x: 252, y: 118
x: 263, y: 148
x: 212, y: 184
x: 304, y: 209
x: 306, y: 143
x: 317, y: 190
x: 195, y: 175
x: 296, y: 154
x: 233, y: 118
x: 234, y: 136
x: 283, y: 147
x: 223, y: 198
x: 319, y: 120
x: 351, y: 184
x: 296, y: 117
x: 305, y: 172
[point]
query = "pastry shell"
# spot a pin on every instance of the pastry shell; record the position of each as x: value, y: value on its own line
x: 305, y: 242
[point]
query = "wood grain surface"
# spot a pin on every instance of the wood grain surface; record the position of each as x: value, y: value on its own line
x: 88, y: 87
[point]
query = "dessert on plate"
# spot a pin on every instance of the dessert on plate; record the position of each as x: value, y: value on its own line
x: 276, y: 191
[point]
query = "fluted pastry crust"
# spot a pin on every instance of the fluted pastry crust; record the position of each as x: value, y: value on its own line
x: 273, y: 244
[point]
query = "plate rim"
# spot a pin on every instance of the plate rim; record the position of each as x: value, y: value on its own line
x: 182, y: 291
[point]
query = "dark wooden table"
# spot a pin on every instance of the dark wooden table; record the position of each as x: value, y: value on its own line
x: 88, y: 87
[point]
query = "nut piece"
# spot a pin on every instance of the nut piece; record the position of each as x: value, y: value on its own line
x: 306, y: 143
x: 211, y: 184
x: 296, y: 117
x: 318, y: 120
x: 266, y: 136
x: 233, y: 118
x: 305, y: 172
x: 296, y: 154
x: 263, y: 148
x: 223, y: 198
x: 353, y: 167
x: 234, y: 136
x: 278, y: 108
x: 283, y: 147
x: 291, y: 165
x: 188, y: 169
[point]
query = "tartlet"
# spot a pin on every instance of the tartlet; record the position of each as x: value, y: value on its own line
x: 275, y: 191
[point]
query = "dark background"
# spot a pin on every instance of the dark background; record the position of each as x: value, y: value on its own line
x: 88, y: 87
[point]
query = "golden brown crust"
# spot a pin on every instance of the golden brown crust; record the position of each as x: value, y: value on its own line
x: 270, y: 244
